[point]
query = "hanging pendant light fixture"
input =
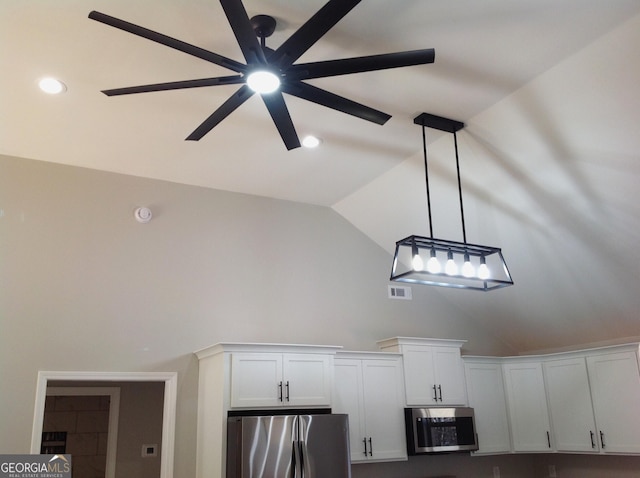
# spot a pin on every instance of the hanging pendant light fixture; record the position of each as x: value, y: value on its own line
x: 430, y: 261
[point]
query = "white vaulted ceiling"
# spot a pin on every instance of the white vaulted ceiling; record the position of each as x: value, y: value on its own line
x: 550, y: 156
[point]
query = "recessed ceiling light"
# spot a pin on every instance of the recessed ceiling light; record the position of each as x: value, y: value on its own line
x: 310, y: 141
x: 52, y: 86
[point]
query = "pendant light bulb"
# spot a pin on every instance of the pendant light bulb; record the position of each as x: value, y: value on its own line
x: 433, y: 266
x: 483, y: 271
x: 467, y: 268
x: 450, y: 267
x: 416, y: 262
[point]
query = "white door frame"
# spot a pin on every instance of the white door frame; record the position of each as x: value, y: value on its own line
x: 170, y: 380
x: 114, y: 412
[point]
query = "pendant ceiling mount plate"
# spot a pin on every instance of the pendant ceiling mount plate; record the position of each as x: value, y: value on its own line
x: 438, y: 122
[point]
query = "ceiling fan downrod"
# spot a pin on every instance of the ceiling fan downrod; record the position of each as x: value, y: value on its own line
x: 263, y: 26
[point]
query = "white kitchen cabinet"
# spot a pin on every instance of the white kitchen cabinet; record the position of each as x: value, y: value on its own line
x: 280, y: 380
x: 485, y: 389
x: 615, y: 390
x: 527, y: 406
x: 570, y: 408
x: 369, y: 388
x: 433, y: 370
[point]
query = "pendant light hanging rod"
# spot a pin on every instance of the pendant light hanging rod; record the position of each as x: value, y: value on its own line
x: 448, y: 126
x: 426, y: 178
x: 464, y: 231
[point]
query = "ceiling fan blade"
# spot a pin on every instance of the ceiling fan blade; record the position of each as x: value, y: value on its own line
x: 228, y: 107
x: 345, y: 66
x: 280, y: 115
x: 176, y: 85
x: 169, y: 41
x: 333, y: 101
x: 309, y: 33
x: 242, y: 29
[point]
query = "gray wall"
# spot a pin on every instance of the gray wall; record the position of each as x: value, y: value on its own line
x: 140, y: 423
x: 83, y: 286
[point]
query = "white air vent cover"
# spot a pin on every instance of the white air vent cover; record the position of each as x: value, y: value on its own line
x: 399, y: 292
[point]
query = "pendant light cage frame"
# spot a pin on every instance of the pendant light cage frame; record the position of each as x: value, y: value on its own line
x: 476, y: 255
x: 441, y: 262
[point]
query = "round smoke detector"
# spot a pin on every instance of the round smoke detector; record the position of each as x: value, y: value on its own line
x: 143, y: 214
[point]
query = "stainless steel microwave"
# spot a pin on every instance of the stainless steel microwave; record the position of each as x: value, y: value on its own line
x: 440, y: 430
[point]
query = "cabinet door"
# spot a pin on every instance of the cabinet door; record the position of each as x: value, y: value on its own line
x: 527, y: 405
x: 384, y: 409
x: 256, y: 380
x: 371, y: 392
x: 449, y: 376
x: 570, y: 409
x: 615, y: 389
x: 348, y: 398
x: 486, y: 396
x: 419, y: 376
x: 307, y: 379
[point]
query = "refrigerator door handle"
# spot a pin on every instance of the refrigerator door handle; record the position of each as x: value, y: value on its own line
x: 301, y: 452
x: 295, y: 459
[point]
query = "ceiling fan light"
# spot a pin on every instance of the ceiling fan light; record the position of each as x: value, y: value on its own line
x: 263, y: 81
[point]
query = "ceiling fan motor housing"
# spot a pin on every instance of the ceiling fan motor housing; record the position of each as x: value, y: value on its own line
x: 263, y: 25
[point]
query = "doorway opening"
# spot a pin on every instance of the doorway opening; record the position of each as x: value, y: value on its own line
x: 83, y: 422
x: 79, y: 378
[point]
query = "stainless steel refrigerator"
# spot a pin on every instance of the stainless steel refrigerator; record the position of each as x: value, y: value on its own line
x: 288, y: 446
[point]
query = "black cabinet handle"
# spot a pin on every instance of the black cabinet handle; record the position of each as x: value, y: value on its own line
x: 440, y: 390
x: 593, y: 443
x: 364, y: 440
x: 548, y: 439
x: 370, y: 447
x: 602, y: 439
x: 435, y: 393
x: 287, y: 391
x: 280, y: 391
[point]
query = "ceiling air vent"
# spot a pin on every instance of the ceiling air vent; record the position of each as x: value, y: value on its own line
x: 399, y: 292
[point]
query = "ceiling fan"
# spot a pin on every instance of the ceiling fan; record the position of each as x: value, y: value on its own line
x: 275, y: 66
